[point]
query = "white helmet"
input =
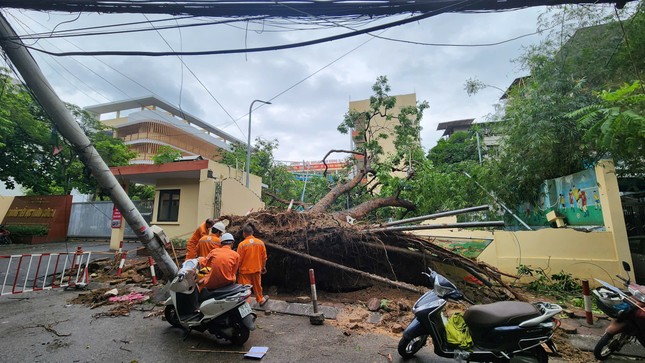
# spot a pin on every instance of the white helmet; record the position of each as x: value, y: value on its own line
x: 227, y: 239
x: 219, y: 226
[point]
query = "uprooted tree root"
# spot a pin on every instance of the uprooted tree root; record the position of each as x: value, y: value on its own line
x: 394, y: 255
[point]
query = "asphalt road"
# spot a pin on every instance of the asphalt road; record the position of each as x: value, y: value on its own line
x: 43, y: 327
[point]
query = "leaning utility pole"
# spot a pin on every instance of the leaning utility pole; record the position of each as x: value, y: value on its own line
x: 69, y: 128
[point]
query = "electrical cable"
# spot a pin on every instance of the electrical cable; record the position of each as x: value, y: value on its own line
x: 201, y: 83
x: 129, y: 31
x: 51, y: 33
x: 77, y: 61
x: 314, y: 73
x: 258, y: 49
x: 424, y: 43
x: 65, y: 68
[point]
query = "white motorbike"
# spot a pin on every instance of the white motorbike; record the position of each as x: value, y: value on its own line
x: 223, y: 312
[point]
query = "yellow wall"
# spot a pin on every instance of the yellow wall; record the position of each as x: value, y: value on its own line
x: 5, y: 203
x: 189, y: 206
x: 585, y: 255
x: 224, y: 172
x: 237, y: 199
x: 197, y: 198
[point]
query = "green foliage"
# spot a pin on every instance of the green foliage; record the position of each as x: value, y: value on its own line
x: 29, y: 139
x: 540, y: 143
x: 580, y: 303
x: 554, y: 123
x: 165, y: 154
x: 559, y: 284
x: 20, y: 230
x: 179, y: 242
x: 141, y: 192
x: 460, y: 147
x: 385, y: 305
x: 390, y: 174
x: 616, y: 126
x: 279, y: 180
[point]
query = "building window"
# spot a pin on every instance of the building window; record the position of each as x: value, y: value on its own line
x: 168, y: 210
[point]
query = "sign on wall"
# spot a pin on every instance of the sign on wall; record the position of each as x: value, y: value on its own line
x: 51, y: 213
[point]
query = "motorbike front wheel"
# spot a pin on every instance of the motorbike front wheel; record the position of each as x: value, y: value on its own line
x: 171, y: 316
x: 609, y: 344
x: 409, y: 347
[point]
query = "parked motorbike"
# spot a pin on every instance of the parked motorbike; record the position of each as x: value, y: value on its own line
x: 4, y: 236
x: 502, y: 331
x: 223, y: 312
x: 626, y: 310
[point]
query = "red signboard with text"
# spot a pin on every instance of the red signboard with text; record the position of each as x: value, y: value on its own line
x: 50, y: 213
x: 116, y: 217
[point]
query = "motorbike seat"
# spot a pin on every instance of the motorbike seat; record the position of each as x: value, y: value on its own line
x: 221, y: 293
x: 499, y: 314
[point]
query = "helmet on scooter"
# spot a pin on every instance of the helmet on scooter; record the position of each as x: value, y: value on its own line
x: 227, y: 239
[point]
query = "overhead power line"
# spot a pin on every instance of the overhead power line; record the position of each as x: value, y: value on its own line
x: 258, y: 49
x: 232, y: 8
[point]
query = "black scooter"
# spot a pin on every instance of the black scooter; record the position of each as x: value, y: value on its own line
x: 501, y: 332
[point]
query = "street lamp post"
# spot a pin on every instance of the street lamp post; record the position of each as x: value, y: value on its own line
x: 248, y: 144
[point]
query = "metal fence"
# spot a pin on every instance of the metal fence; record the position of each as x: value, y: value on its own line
x: 43, y: 271
x: 94, y: 219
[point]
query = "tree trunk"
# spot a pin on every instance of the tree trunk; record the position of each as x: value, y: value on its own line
x: 325, y: 202
x: 363, y: 209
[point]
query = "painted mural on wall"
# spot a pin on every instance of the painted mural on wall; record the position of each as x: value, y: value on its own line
x: 575, y: 197
x: 470, y: 248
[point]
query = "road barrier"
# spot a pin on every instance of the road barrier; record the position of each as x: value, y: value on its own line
x: 121, y: 263
x: 152, y: 270
x: 40, y: 271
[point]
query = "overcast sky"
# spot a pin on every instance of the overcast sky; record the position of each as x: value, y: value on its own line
x: 304, y: 118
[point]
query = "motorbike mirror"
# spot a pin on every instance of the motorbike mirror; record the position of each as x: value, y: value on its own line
x: 626, y: 266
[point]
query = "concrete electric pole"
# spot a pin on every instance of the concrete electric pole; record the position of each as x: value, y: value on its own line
x: 69, y: 128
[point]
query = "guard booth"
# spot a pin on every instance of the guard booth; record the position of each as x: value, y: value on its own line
x: 188, y: 192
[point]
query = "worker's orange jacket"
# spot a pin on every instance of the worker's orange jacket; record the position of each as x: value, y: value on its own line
x: 191, y: 246
x: 224, y: 263
x: 206, y: 244
x: 253, y: 255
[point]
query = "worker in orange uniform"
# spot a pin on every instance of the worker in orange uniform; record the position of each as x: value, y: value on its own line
x: 201, y: 231
x: 223, y: 263
x: 211, y: 241
x: 253, y: 259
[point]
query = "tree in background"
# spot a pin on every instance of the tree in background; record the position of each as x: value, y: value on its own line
x: 282, y: 186
x: 460, y: 147
x: 583, y: 55
x: 378, y: 179
x: 35, y: 157
x: 616, y: 127
x: 165, y: 154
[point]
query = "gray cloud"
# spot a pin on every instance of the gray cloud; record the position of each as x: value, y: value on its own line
x: 304, y: 119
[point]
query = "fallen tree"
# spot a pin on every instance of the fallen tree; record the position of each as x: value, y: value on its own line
x: 350, y: 257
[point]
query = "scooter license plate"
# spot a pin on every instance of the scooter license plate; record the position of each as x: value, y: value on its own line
x: 244, y: 309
